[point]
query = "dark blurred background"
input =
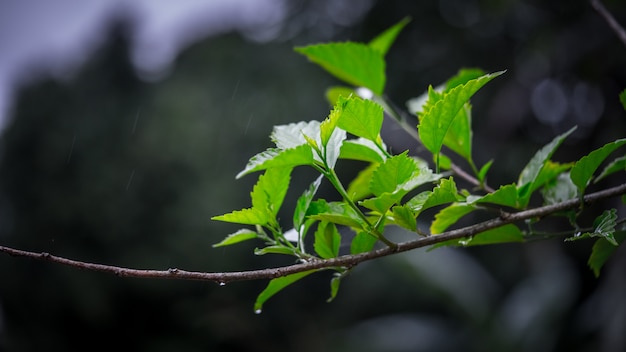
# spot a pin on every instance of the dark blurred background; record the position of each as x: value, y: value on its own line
x: 123, y: 127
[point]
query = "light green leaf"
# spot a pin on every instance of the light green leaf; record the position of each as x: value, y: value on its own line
x: 584, y: 168
x: 239, y: 236
x: 436, y: 121
x: 445, y: 192
x: 275, y: 286
x: 483, y: 171
x: 362, y: 242
x: 602, y: 251
x: 302, y: 204
x: 334, y: 286
x: 336, y: 212
x: 327, y: 240
x: 381, y: 203
x: 459, y: 136
x: 450, y: 215
x: 362, y: 118
x: 391, y: 174
x: 359, y: 188
x: 270, y: 190
x: 250, y: 216
x: 355, y: 63
x: 383, y: 41
x: 277, y: 158
x: 403, y: 216
x: 276, y: 249
x: 616, y: 165
x: 361, y: 149
x: 462, y: 77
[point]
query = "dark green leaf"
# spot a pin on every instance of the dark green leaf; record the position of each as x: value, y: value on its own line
x: 616, y: 165
x: 583, y: 170
x: 622, y: 98
x: 604, y: 226
x: 559, y: 190
x: 602, y: 251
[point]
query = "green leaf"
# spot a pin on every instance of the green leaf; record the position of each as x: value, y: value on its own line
x: 334, y: 286
x: 526, y: 183
x: 404, y: 217
x: 462, y: 77
x: 382, y: 203
x: 354, y: 63
x: 505, y: 195
x: 292, y: 135
x: 391, y: 174
x: 327, y: 240
x: 303, y: 202
x: 250, y: 216
x: 336, y: 212
x: 362, y: 242
x: 559, y: 190
x: 361, y: 149
x: 445, y: 192
x: 362, y: 118
x: 275, y: 249
x: 504, y: 234
x: 622, y: 98
x: 602, y: 251
x: 275, y: 286
x: 270, y: 190
x: 459, y: 136
x: 333, y: 93
x: 604, y: 226
x: 383, y: 41
x: 436, y: 121
x: 584, y: 168
x: 482, y: 174
x: 277, y: 158
x: 616, y: 165
x: 359, y: 188
x: 239, y: 236
x: 450, y: 215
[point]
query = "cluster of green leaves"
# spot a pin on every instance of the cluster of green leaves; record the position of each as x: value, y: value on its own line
x: 393, y: 190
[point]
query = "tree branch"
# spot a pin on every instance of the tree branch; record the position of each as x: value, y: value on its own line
x: 343, y: 261
x: 612, y: 22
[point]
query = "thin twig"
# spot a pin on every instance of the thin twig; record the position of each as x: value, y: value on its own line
x: 612, y: 22
x: 343, y: 261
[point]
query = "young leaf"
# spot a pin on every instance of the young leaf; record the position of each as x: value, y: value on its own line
x: 362, y: 118
x: 531, y: 171
x: 362, y: 242
x: 436, y: 121
x: 275, y: 286
x: 450, y: 215
x: 482, y: 173
x: 276, y: 249
x: 602, y: 251
x: 239, y: 236
x: 463, y: 76
x: 292, y: 135
x: 336, y: 212
x: 584, y: 168
x: 333, y: 94
x: 302, y: 205
x: 334, y: 286
x: 445, y: 192
x: 459, y: 136
x: 383, y: 41
x: 355, y: 63
x: 327, y: 240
